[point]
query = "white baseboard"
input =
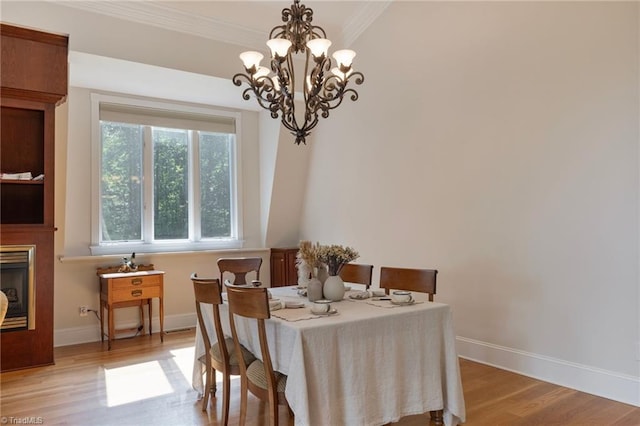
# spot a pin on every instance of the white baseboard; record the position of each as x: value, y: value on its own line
x: 76, y: 335
x: 596, y: 381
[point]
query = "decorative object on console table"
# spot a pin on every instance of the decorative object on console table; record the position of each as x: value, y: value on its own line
x: 334, y: 256
x: 283, y: 267
x: 130, y: 289
x: 33, y: 76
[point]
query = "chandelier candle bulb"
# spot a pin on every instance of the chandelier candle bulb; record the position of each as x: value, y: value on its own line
x: 319, y: 47
x: 251, y: 60
x: 344, y: 58
x: 261, y: 72
x: 279, y: 47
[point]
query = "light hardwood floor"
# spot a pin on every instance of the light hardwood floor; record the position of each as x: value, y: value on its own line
x: 144, y: 382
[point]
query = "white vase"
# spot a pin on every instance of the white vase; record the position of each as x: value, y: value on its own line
x: 314, y: 290
x: 333, y: 288
x: 322, y: 274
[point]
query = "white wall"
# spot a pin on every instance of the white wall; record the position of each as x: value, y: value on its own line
x: 498, y: 143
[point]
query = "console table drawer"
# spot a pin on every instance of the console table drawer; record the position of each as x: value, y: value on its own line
x: 135, y: 282
x: 130, y: 293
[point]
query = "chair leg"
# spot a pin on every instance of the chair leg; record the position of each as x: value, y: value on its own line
x: 291, y: 416
x: 226, y: 396
x: 273, y: 408
x: 207, y: 389
x: 436, y: 416
x: 243, y: 400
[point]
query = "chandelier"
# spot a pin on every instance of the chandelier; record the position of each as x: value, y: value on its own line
x: 324, y: 83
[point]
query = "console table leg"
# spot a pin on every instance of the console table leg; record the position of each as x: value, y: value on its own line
x: 112, y: 327
x: 161, y: 302
x: 101, y: 322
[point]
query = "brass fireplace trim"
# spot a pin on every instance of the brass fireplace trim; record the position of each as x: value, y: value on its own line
x: 5, y: 257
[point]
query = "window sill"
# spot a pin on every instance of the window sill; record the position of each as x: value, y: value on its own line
x: 168, y: 247
x: 118, y: 256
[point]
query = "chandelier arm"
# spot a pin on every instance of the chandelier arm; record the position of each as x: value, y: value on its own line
x: 262, y: 89
x: 335, y: 88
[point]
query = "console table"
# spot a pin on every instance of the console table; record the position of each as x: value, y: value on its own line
x: 126, y: 289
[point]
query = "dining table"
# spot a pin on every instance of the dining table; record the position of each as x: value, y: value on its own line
x: 369, y: 362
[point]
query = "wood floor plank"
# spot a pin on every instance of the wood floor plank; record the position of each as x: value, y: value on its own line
x: 144, y: 382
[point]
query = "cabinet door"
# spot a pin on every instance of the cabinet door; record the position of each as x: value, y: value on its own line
x: 277, y: 268
x: 291, y: 273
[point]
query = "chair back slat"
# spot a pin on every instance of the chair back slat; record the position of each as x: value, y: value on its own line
x: 420, y: 280
x: 357, y: 273
x: 239, y: 267
x: 250, y: 302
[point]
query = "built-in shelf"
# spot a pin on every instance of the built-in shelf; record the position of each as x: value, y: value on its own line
x: 21, y: 182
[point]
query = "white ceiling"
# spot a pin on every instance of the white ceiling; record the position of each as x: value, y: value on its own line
x: 245, y: 23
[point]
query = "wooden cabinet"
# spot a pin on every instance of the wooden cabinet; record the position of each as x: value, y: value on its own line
x: 126, y: 289
x: 33, y: 75
x: 33, y: 78
x: 283, y: 267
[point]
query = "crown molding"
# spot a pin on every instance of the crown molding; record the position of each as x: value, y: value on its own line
x: 159, y: 15
x: 360, y: 21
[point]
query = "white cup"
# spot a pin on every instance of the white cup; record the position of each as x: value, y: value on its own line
x: 378, y: 293
x: 401, y: 296
x: 321, y: 306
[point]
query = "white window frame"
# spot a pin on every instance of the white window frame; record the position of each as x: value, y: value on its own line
x: 154, y: 246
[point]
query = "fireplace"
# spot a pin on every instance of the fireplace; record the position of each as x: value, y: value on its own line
x: 17, y: 281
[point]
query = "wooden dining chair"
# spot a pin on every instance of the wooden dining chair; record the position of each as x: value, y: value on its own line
x: 221, y: 355
x: 239, y: 267
x: 357, y: 273
x: 420, y: 280
x: 258, y: 376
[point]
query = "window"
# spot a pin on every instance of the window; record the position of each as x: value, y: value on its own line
x: 166, y: 177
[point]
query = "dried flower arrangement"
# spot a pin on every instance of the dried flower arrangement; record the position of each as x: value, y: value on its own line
x: 308, y: 254
x: 334, y: 256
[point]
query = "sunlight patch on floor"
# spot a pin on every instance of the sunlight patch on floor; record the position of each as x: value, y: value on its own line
x: 184, y: 360
x: 135, y: 382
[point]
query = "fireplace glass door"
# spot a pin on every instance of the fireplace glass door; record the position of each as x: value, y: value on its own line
x: 18, y: 283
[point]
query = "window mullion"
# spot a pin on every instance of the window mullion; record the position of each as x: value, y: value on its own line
x: 147, y: 209
x: 194, y: 188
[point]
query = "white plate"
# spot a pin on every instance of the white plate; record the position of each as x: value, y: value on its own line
x: 403, y: 303
x: 347, y: 288
x: 274, y: 303
x: 325, y: 314
x: 359, y: 295
x: 291, y: 304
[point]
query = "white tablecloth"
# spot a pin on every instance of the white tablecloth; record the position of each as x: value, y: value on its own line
x: 366, y: 365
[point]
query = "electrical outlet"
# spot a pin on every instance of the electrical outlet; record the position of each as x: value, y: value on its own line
x: 84, y: 311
